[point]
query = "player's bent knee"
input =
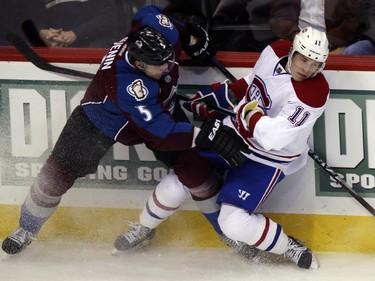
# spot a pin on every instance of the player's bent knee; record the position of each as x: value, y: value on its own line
x: 171, y: 192
x: 229, y: 221
x: 240, y: 225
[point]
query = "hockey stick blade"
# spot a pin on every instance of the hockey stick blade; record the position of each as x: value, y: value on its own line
x: 312, y: 154
x: 36, y: 60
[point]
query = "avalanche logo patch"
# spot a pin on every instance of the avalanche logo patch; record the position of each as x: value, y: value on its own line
x: 164, y: 21
x: 137, y: 90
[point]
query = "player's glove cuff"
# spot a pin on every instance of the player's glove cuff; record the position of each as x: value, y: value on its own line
x: 246, y: 118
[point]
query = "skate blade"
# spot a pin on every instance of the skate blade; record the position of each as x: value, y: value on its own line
x: 314, y: 263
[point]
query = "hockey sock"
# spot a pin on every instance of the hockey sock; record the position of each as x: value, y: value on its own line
x: 29, y: 222
x: 212, y: 218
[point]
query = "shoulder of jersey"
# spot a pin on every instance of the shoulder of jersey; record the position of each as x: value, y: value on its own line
x: 162, y: 23
x: 281, y: 47
x: 313, y: 92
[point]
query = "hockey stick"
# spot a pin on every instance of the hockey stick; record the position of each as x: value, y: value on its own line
x: 312, y: 154
x: 223, y: 69
x: 39, y: 62
x: 321, y: 163
x: 36, y: 60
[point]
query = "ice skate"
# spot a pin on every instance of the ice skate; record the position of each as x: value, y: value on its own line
x: 137, y: 237
x: 300, y: 254
x: 17, y: 242
x: 241, y: 249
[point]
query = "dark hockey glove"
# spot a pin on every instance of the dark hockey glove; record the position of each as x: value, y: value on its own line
x: 201, y: 46
x: 223, y: 140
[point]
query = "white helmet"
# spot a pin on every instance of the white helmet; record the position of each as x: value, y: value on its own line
x: 311, y: 43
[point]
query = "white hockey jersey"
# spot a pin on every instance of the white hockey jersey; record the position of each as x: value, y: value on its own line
x: 280, y: 137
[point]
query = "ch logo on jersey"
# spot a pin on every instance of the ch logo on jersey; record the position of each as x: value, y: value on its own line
x: 242, y: 194
x: 258, y: 91
x: 137, y: 90
x: 164, y: 21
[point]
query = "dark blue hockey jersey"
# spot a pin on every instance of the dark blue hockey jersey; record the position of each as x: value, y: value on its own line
x: 132, y: 108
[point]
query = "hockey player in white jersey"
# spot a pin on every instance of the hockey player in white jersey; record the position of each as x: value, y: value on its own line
x: 279, y: 103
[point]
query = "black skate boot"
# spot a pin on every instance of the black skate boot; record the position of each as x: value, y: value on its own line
x: 17, y: 242
x: 300, y: 254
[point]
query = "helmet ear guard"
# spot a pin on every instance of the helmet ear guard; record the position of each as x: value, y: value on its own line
x: 149, y: 46
x: 312, y: 44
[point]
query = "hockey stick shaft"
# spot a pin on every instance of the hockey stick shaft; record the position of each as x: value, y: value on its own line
x: 341, y: 182
x: 35, y: 59
x: 312, y: 154
x: 223, y: 69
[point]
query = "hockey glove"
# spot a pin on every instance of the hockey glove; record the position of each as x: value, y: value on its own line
x: 223, y: 140
x: 198, y: 105
x: 201, y: 46
x: 205, y: 100
x: 247, y: 116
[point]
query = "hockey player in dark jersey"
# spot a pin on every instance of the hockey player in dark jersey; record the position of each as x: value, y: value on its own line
x: 132, y: 100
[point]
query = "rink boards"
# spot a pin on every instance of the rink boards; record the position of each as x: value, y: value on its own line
x: 307, y: 204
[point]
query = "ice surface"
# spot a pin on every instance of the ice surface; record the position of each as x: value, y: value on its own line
x: 55, y: 261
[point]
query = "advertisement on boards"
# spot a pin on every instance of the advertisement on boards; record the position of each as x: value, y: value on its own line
x: 33, y: 113
x: 344, y: 137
